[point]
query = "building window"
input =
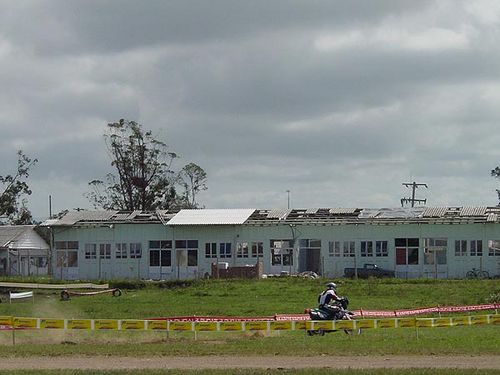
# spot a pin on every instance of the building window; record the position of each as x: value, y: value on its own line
x: 160, y: 253
x: 242, y: 250
x: 211, y: 250
x: 366, y: 248
x: 225, y: 250
x: 476, y: 248
x: 381, y: 249
x: 136, y: 250
x: 257, y: 249
x: 435, y: 250
x: 349, y: 248
x: 494, y: 248
x: 186, y: 244
x: 281, y: 252
x: 121, y: 251
x: 192, y: 258
x: 90, y: 251
x: 460, y: 248
x: 66, y: 253
x: 105, y: 251
x: 334, y: 249
x: 66, y: 245
x: 406, y: 251
x: 154, y: 258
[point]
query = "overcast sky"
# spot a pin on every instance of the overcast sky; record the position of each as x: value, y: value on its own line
x: 339, y: 102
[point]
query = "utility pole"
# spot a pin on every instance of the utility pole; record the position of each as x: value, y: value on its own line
x: 288, y: 198
x: 414, y: 186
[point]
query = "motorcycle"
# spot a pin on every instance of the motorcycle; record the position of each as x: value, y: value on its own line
x: 336, y: 311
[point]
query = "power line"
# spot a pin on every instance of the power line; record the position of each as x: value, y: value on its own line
x: 414, y: 186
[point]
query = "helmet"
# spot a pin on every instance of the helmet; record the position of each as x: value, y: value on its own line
x: 331, y: 286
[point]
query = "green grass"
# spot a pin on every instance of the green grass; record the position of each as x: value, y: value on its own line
x: 254, y: 298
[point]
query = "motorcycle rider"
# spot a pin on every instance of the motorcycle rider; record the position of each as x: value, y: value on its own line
x: 328, y: 295
x: 326, y: 298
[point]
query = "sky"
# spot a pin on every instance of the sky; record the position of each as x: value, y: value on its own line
x: 337, y: 102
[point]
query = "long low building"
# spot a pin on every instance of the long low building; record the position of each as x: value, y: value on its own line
x: 428, y: 242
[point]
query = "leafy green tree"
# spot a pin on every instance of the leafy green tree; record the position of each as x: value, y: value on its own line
x: 14, y: 188
x: 144, y: 179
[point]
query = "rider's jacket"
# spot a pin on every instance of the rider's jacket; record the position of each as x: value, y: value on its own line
x: 325, y: 298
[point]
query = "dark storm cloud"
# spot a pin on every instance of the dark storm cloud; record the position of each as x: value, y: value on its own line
x: 337, y: 101
x: 107, y: 26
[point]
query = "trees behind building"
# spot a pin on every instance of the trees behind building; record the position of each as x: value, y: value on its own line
x: 144, y: 177
x: 14, y: 189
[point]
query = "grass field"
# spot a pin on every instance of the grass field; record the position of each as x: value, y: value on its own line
x: 255, y: 298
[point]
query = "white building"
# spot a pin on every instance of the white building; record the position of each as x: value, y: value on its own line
x: 436, y: 242
x: 23, y: 252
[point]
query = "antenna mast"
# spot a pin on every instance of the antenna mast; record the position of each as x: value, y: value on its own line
x: 414, y: 186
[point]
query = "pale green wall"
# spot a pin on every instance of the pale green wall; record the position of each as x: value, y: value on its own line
x: 332, y: 266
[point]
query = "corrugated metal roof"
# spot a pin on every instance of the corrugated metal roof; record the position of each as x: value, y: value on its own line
x: 74, y: 217
x: 472, y: 211
x: 342, y: 211
x: 211, y: 217
x: 435, y: 211
x: 491, y: 218
x: 9, y: 233
x: 278, y: 214
x: 21, y: 237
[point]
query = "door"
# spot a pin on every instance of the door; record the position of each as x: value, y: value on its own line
x: 407, y: 258
x: 310, y: 260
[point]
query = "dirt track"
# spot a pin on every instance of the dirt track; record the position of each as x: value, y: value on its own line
x: 226, y: 362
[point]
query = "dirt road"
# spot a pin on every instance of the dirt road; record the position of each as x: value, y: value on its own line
x: 227, y: 362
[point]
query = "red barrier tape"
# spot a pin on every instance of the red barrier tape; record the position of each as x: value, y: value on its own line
x: 402, y: 313
x: 357, y: 314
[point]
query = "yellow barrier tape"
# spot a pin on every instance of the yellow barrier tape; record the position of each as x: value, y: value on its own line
x: 105, y: 324
x: 79, y: 324
x: 24, y: 322
x: 365, y: 324
x: 181, y: 326
x: 5, y: 320
x: 281, y: 326
x: 442, y: 322
x: 460, y: 321
x: 406, y: 322
x: 255, y: 326
x: 133, y: 324
x: 206, y: 326
x: 231, y: 326
x: 227, y: 326
x: 52, y: 323
x: 157, y: 324
x: 386, y: 323
x: 301, y: 325
x: 479, y: 319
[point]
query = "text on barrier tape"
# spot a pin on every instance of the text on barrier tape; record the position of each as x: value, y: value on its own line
x: 251, y: 325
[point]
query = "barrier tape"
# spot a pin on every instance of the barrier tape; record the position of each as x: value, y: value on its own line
x: 10, y: 323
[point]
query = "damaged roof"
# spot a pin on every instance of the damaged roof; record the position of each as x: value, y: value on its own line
x: 313, y: 216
